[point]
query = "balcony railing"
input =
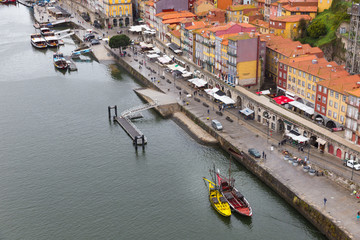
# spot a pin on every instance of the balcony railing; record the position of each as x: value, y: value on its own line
x: 231, y: 64
x: 232, y: 54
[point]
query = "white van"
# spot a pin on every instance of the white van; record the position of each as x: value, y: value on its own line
x: 216, y: 124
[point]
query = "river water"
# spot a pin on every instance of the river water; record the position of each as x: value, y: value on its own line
x: 66, y: 172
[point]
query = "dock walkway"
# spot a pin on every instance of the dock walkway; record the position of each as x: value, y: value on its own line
x: 130, y: 129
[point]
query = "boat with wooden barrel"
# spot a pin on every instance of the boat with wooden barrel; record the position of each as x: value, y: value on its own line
x: 236, y: 200
x: 38, y: 41
x: 59, y: 61
x: 217, y: 200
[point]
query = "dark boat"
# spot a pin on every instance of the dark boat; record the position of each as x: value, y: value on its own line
x: 59, y: 61
x: 236, y: 200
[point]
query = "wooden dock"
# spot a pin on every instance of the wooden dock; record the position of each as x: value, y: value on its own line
x: 130, y: 129
x: 72, y: 65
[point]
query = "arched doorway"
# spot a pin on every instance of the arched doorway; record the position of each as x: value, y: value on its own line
x: 338, y: 153
x: 115, y: 22
x: 228, y: 93
x: 330, y: 124
x: 188, y: 68
x: 319, y: 119
x: 127, y: 21
x: 121, y: 22
x: 239, y: 102
x: 281, y: 126
x: 313, y: 141
x: 331, y: 149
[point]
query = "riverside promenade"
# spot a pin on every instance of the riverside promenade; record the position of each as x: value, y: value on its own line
x: 341, y: 207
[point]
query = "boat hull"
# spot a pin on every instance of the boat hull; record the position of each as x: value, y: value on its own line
x: 218, y: 201
x: 236, y: 200
x: 39, y: 46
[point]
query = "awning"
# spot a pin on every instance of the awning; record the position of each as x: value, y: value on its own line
x: 301, y: 138
x: 265, y: 92
x: 153, y: 55
x: 321, y: 141
x: 302, y: 107
x: 282, y: 100
x: 226, y: 100
x: 211, y: 91
x: 173, y: 46
x: 177, y: 51
x: 198, y: 82
x: 187, y: 74
x: 294, y: 132
x: 246, y: 111
x: 165, y: 59
x: 176, y: 67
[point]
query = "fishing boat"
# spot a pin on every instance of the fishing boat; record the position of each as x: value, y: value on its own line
x: 236, y: 200
x: 217, y: 200
x: 38, y: 41
x: 59, y: 61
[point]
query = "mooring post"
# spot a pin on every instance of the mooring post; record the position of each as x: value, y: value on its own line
x: 115, y: 110
x: 135, y: 141
x: 143, y: 141
x: 109, y: 111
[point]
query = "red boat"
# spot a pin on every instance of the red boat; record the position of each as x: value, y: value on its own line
x: 236, y: 200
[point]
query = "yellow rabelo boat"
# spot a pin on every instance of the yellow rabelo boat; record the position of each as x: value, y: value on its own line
x: 217, y: 200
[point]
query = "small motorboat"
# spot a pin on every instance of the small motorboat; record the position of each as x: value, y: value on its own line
x: 52, y: 41
x: 217, y: 200
x: 59, y: 61
x: 236, y: 200
x: 38, y: 41
x: 45, y: 30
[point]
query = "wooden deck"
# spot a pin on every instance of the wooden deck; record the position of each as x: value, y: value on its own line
x: 130, y: 129
x: 72, y: 65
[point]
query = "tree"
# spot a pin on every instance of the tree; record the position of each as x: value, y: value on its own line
x: 316, y: 29
x: 119, y: 41
x: 302, y: 27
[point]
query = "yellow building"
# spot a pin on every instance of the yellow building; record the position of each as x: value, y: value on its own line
x: 261, y: 26
x: 118, y: 12
x: 323, y: 5
x: 175, y: 37
x: 234, y: 13
x: 202, y: 6
x: 287, y: 26
x: 289, y: 10
x: 278, y: 48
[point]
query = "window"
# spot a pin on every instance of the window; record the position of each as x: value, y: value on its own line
x: 289, y: 78
x: 312, y: 97
x: 344, y: 98
x: 285, y: 67
x: 293, y: 80
x: 329, y: 113
x: 304, y: 75
x: 309, y: 86
x: 323, y: 99
x: 318, y: 107
x: 313, y: 88
x: 299, y: 82
x: 290, y: 69
x: 323, y: 109
x: 336, y: 105
x: 284, y: 75
x: 320, y: 88
x: 331, y: 103
x: 300, y: 73
x: 337, y: 95
x: 280, y: 74
x: 294, y: 71
x: 335, y: 115
x: 314, y: 79
x: 302, y: 92
x: 342, y: 119
x: 308, y: 95
x: 319, y: 98
x: 298, y: 91
x: 280, y: 83
x: 309, y: 77
x: 343, y: 108
x: 303, y: 83
x: 325, y: 89
x: 331, y: 93
x: 281, y: 65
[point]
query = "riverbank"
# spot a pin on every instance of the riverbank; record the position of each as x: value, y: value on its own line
x: 303, y: 192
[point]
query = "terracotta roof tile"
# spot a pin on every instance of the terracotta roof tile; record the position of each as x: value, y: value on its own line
x: 239, y: 7
x: 343, y: 84
x: 176, y: 33
x: 300, y: 8
x: 291, y: 18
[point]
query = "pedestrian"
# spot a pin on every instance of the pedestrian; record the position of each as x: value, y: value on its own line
x: 263, y: 155
x: 325, y: 200
x: 208, y: 111
x: 302, y: 149
x: 358, y: 215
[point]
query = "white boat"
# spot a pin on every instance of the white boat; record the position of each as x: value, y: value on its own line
x: 52, y: 41
x: 45, y: 30
x: 38, y: 41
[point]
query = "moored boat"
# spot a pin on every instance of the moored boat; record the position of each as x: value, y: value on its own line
x: 7, y: 1
x: 38, y: 41
x: 59, y: 61
x: 45, y: 30
x: 236, y: 200
x: 217, y: 200
x: 52, y: 41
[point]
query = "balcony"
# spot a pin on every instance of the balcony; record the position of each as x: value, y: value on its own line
x: 206, y: 44
x: 232, y: 54
x: 231, y: 64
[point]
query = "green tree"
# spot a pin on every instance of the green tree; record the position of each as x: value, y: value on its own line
x: 317, y: 29
x: 119, y: 41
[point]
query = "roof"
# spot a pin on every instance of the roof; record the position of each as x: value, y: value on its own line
x: 173, y: 20
x: 291, y: 18
x: 175, y: 33
x: 317, y: 66
x: 242, y: 36
x: 343, y: 84
x: 288, y: 47
x: 178, y: 14
x: 240, y: 7
x: 261, y: 23
x: 300, y: 8
x: 196, y: 25
x: 150, y: 3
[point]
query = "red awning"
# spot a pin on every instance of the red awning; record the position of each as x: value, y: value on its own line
x: 282, y: 100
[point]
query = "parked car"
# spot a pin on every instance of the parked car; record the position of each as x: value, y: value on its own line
x: 353, y: 164
x: 89, y: 37
x: 254, y: 152
x: 97, y: 24
x: 216, y: 124
x: 85, y: 16
x: 94, y: 42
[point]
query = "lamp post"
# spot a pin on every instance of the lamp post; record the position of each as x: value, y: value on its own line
x: 268, y: 128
